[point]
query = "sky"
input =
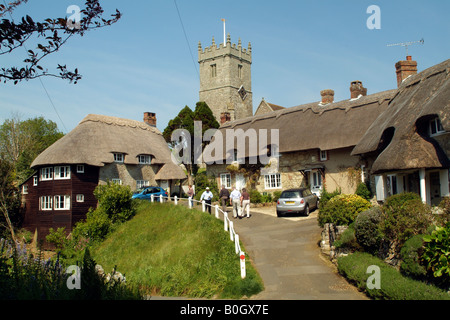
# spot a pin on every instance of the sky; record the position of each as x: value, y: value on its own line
x: 147, y: 62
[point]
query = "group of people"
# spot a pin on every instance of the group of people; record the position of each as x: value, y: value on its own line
x: 240, y: 201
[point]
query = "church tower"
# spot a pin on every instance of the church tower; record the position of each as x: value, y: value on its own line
x: 225, y: 79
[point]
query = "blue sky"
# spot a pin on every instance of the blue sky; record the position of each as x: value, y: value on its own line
x: 143, y: 62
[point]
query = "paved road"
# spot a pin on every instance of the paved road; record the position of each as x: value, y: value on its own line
x: 285, y: 252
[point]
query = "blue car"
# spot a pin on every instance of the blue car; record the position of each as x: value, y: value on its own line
x: 145, y: 193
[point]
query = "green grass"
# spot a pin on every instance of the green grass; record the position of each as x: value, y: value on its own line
x: 393, y: 285
x: 173, y: 251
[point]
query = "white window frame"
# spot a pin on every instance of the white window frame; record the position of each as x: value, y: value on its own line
x: 225, y: 180
x: 118, y: 157
x: 63, y: 200
x: 145, y: 159
x: 118, y: 181
x: 272, y: 181
x: 25, y: 189
x: 35, y: 180
x: 62, y: 173
x: 316, y: 179
x: 46, y: 174
x: 80, y: 197
x: 323, y: 155
x: 46, y: 203
x: 142, y: 183
x: 436, y: 125
x: 80, y: 168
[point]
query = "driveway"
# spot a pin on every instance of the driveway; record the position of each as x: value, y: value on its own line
x: 286, y: 254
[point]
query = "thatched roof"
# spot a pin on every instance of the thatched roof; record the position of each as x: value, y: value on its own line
x: 94, y: 140
x: 170, y: 171
x: 311, y: 126
x: 419, y: 98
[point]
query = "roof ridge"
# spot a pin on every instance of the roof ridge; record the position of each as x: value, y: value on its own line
x: 111, y: 120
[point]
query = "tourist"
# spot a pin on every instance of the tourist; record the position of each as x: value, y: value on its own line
x: 224, y: 195
x: 207, y: 196
x: 235, y: 198
x: 245, y: 202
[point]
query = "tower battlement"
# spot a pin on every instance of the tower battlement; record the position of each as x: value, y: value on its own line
x: 215, y: 51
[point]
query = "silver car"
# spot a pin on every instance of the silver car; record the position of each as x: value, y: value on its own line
x: 300, y: 200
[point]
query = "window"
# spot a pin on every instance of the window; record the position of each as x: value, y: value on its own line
x: 35, y: 180
x: 80, y: 168
x: 145, y: 159
x: 46, y: 174
x: 213, y: 71
x: 142, y: 183
x: 118, y: 181
x: 225, y: 180
x: 272, y: 181
x: 323, y: 155
x: 391, y: 185
x: 316, y: 179
x: 24, y: 189
x: 62, y: 202
x: 46, y: 203
x: 240, y: 71
x: 80, y: 197
x: 62, y: 172
x: 435, y: 127
x: 118, y: 157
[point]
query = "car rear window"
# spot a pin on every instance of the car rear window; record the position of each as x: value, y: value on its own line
x: 290, y: 194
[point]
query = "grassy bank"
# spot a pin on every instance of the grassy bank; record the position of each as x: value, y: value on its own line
x: 173, y: 251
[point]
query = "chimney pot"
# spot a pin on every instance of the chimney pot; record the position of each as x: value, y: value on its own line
x: 150, y: 118
x: 327, y: 96
x: 357, y: 89
x: 404, y: 69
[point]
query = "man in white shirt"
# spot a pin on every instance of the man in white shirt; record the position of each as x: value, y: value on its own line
x: 235, y: 201
x: 207, y: 196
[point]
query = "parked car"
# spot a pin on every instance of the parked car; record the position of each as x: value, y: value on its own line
x: 299, y: 200
x: 146, y: 192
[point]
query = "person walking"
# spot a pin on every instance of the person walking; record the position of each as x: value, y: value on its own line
x: 235, y: 198
x: 245, y: 202
x: 224, y: 195
x: 207, y: 196
x: 190, y: 194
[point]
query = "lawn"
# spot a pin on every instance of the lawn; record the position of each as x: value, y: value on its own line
x: 173, y: 251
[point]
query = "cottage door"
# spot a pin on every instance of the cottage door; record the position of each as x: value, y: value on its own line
x: 435, y: 188
x: 240, y: 181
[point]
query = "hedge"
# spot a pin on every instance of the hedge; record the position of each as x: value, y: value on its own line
x: 393, y: 285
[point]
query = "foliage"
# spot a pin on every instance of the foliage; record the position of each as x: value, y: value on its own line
x: 181, y: 252
x: 347, y: 239
x: 255, y: 196
x: 9, y: 200
x: 55, y: 31
x: 325, y: 196
x: 436, y: 254
x: 367, y: 231
x: 202, y: 180
x: 363, y: 191
x: 342, y: 209
x: 404, y: 216
x: 443, y: 218
x: 115, y: 200
x: 410, y: 255
x: 276, y: 195
x: 57, y: 237
x: 393, y: 285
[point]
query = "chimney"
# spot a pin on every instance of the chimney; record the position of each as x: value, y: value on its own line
x: 357, y: 89
x: 150, y: 118
x: 224, y: 117
x: 327, y: 96
x: 404, y: 69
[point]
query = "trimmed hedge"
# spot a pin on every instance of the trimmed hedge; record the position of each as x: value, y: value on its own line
x: 342, y: 209
x: 393, y: 285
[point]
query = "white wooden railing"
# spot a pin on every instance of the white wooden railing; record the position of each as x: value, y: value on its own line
x: 227, y: 223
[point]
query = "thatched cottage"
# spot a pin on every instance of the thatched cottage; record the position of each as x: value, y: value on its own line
x: 408, y: 145
x: 99, y: 149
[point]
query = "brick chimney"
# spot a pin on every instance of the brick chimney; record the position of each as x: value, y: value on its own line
x: 404, y: 69
x: 224, y: 117
x: 150, y: 118
x: 357, y: 89
x: 327, y: 96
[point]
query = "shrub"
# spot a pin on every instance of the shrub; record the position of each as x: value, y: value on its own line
x: 436, y: 254
x: 363, y: 191
x: 347, y: 239
x: 57, y: 237
x: 325, y: 196
x: 404, y: 217
x: 276, y: 195
x: 342, y: 209
x: 115, y: 200
x: 367, y: 231
x: 410, y: 255
x: 96, y: 226
x: 443, y: 217
x: 255, y: 196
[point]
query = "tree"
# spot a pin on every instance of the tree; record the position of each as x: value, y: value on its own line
x: 56, y: 33
x: 9, y: 199
x: 185, y: 120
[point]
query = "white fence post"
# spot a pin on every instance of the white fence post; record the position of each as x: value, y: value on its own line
x: 225, y: 218
x: 203, y: 205
x: 152, y: 197
x: 217, y: 211
x: 242, y: 258
x: 190, y: 202
x: 231, y: 231
x: 236, y: 243
x: 176, y: 200
x: 160, y: 198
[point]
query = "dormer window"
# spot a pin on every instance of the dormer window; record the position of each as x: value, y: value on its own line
x: 145, y: 159
x: 118, y: 157
x: 435, y: 127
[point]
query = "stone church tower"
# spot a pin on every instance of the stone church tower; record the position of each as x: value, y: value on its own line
x: 225, y: 79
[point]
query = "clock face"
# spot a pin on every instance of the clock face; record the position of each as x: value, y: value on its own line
x: 242, y: 92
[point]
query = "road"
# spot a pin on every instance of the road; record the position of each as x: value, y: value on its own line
x: 286, y: 254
